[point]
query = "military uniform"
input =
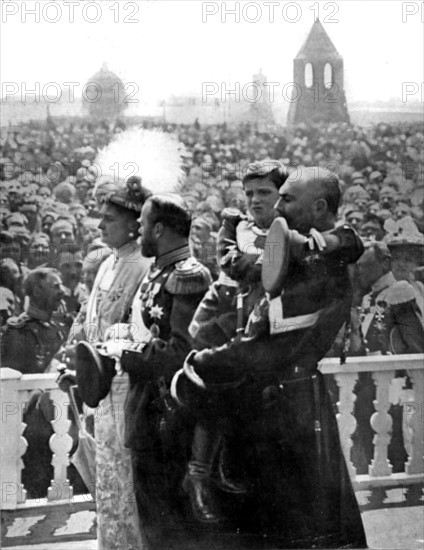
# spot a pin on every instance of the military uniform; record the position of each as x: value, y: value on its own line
x: 301, y: 494
x: 226, y: 306
x: 222, y: 315
x: 169, y: 296
x: 389, y: 322
x: 30, y: 341
x: 29, y: 344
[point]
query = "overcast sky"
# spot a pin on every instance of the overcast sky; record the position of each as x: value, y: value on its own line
x: 176, y: 46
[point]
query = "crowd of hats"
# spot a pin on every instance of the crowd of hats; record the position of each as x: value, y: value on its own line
x: 48, y: 172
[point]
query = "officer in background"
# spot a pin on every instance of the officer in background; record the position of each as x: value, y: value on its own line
x: 387, y: 321
x: 31, y: 340
x: 29, y: 344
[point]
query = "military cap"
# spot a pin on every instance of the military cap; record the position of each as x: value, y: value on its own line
x: 16, y: 219
x: 375, y: 175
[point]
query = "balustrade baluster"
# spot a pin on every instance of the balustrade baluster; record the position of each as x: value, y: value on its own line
x: 13, y: 445
x: 60, y: 444
x: 381, y: 423
x: 347, y: 423
x: 414, y: 415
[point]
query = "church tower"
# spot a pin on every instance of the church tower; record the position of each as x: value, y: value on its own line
x: 318, y: 93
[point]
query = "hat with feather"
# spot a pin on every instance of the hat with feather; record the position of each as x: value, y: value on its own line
x: 136, y: 164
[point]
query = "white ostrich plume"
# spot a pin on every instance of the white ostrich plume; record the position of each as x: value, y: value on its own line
x: 152, y: 155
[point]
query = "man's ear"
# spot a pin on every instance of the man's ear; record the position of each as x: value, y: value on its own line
x: 36, y: 291
x: 321, y: 207
x: 134, y: 227
x: 159, y: 229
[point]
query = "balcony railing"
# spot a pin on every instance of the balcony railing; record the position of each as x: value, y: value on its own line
x: 60, y: 503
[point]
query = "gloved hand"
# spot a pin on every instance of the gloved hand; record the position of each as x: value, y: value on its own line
x: 113, y: 348
x: 118, y: 337
x: 66, y: 378
x: 69, y: 356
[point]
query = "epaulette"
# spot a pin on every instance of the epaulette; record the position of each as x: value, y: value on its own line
x: 398, y: 293
x: 188, y: 277
x: 18, y: 322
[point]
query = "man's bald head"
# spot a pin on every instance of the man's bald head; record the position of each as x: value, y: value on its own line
x: 323, y: 183
x: 310, y: 198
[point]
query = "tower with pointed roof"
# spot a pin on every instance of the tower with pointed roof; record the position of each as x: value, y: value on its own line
x: 105, y: 95
x: 318, y: 92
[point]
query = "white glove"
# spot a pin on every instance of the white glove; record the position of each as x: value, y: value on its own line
x: 316, y: 240
x: 113, y: 348
x: 120, y: 331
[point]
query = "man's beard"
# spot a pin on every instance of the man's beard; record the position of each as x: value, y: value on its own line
x: 148, y: 248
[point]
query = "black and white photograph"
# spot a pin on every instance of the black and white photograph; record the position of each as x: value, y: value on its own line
x: 212, y: 274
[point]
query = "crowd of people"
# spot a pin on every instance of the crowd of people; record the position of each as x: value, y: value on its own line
x: 67, y: 257
x: 48, y: 171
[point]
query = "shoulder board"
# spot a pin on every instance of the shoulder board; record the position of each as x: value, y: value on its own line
x: 398, y: 293
x: 18, y: 322
x: 188, y: 277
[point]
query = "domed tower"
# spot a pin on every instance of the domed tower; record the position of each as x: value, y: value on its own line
x: 105, y: 95
x: 318, y: 93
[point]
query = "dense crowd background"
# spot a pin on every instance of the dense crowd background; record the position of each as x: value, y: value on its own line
x: 48, y: 171
x: 49, y: 218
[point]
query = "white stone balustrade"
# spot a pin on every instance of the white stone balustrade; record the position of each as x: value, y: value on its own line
x: 383, y: 369
x: 15, y: 389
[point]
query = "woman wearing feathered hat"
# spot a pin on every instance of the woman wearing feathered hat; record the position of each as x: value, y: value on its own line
x: 109, y: 304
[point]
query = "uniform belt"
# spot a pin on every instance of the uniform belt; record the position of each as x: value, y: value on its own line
x: 287, y: 376
x: 279, y: 325
x: 295, y: 374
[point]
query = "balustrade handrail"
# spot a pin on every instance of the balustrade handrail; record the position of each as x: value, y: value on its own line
x: 373, y: 363
x: 15, y: 387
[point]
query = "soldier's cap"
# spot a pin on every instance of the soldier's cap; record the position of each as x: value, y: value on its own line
x: 48, y: 214
x: 375, y: 175
x: 28, y: 206
x: 351, y: 208
x: 415, y: 240
x: 16, y: 219
x: 356, y: 191
x: 360, y: 181
x: 387, y: 189
x: 61, y: 225
x: 40, y: 240
x: 356, y: 175
x: 19, y: 231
